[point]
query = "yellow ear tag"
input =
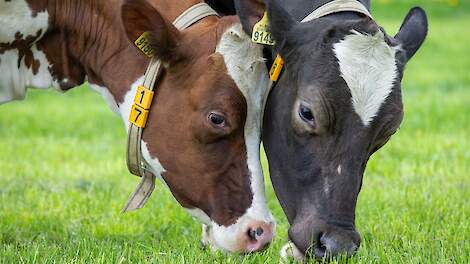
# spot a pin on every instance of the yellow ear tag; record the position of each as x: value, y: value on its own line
x: 143, y: 43
x: 261, y: 34
x: 276, y: 68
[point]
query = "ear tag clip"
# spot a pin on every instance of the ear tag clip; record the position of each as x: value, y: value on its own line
x: 143, y: 44
x: 261, y: 34
x: 276, y: 68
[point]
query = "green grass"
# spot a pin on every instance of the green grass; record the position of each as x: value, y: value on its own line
x: 63, y: 178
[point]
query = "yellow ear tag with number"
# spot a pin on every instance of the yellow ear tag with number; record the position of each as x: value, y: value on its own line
x: 261, y: 34
x: 143, y: 44
x: 276, y: 68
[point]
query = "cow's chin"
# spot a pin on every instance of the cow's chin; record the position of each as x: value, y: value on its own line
x: 215, y: 237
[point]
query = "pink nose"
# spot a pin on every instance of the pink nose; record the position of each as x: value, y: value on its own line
x: 259, y: 235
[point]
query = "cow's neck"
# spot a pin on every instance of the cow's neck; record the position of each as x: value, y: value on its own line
x: 98, y: 42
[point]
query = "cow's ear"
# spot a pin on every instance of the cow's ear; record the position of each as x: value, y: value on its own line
x: 280, y: 20
x: 223, y: 7
x: 139, y: 16
x: 250, y: 12
x: 413, y: 31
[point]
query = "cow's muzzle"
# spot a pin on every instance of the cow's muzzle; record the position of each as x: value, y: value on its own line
x: 325, y: 241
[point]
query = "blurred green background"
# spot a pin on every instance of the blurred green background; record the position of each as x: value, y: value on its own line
x: 63, y: 178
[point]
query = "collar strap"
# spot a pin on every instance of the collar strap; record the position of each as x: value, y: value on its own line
x: 329, y: 8
x: 140, y: 110
x: 337, y: 6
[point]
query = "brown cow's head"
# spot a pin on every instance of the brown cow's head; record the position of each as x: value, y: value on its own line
x: 203, y: 133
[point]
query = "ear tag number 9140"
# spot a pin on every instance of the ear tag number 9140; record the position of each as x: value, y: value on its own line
x: 261, y: 34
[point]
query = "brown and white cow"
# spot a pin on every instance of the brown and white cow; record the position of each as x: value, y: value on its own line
x: 203, y: 133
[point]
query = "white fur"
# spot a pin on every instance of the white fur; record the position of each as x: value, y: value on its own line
x: 16, y: 16
x: 125, y: 106
x: 367, y: 64
x: 107, y: 96
x: 245, y: 64
x: 154, y: 164
x: 14, y: 81
x: 339, y: 169
x: 289, y: 251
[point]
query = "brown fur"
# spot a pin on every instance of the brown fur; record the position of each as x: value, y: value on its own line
x: 206, y: 167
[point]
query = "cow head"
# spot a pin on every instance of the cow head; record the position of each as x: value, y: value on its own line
x: 337, y: 102
x: 203, y: 133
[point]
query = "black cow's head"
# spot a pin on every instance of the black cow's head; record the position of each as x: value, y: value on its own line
x: 337, y: 102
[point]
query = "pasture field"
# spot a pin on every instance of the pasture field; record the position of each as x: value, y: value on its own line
x: 63, y: 178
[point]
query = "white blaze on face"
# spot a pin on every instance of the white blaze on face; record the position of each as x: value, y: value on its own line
x: 16, y: 16
x: 367, y: 64
x: 245, y: 64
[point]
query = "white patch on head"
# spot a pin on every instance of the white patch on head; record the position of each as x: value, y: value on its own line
x: 339, y: 169
x: 107, y: 96
x: 245, y: 64
x: 14, y: 81
x: 16, y: 16
x: 367, y: 64
x: 290, y: 251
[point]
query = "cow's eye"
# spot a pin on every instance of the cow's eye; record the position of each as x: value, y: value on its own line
x: 216, y: 119
x: 306, y: 115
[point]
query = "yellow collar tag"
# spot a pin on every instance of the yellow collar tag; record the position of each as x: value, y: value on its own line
x: 140, y: 109
x: 261, y: 34
x: 276, y: 68
x: 143, y: 44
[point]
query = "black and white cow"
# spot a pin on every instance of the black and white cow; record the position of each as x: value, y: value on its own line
x: 338, y: 101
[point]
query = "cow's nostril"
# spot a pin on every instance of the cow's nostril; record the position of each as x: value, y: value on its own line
x: 255, y: 233
x: 258, y: 235
x: 252, y: 234
x: 259, y: 231
x: 333, y: 245
x: 320, y: 247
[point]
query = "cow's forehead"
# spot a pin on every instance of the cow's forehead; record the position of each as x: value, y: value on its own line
x: 368, y: 66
